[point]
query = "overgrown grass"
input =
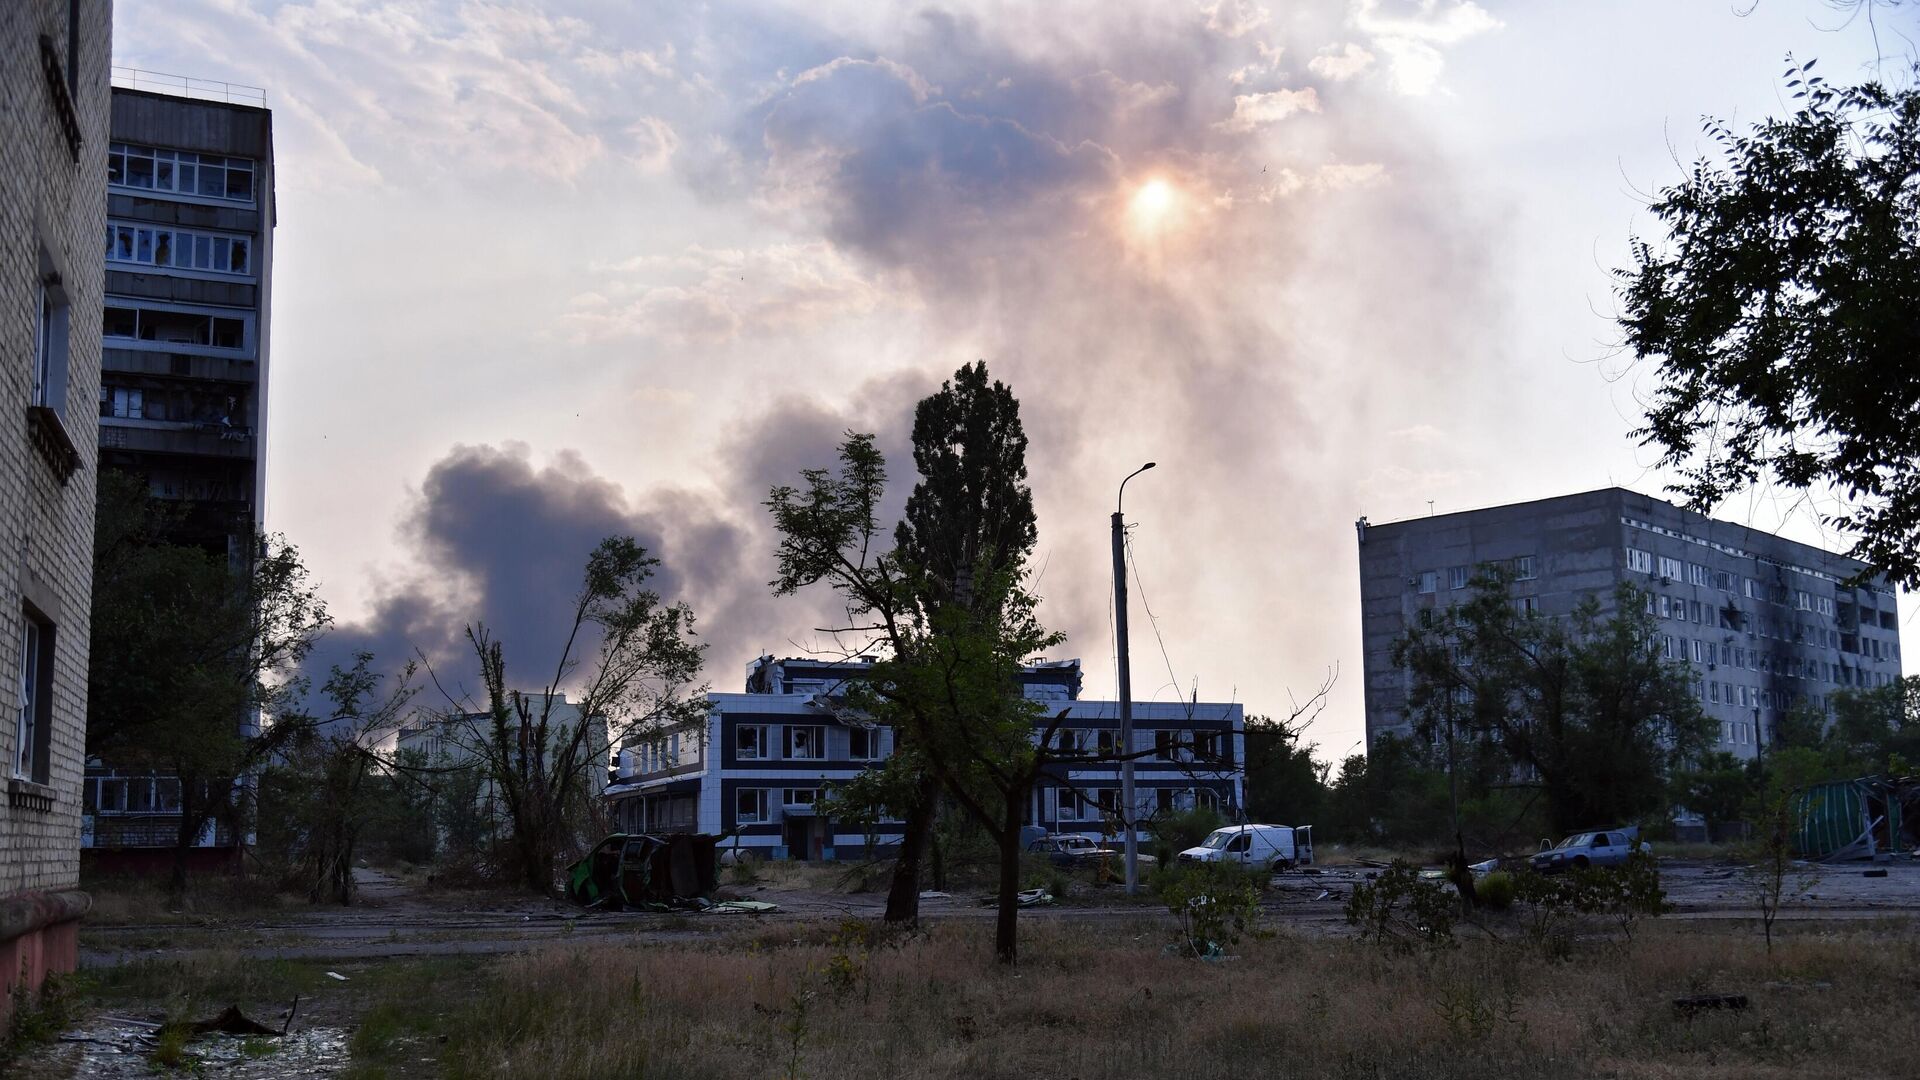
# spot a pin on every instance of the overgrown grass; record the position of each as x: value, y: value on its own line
x: 120, y: 900
x: 1108, y: 1001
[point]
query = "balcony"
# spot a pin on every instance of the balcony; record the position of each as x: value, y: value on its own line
x: 192, y: 440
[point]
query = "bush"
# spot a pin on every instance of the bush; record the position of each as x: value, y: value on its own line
x: 1495, y: 890
x: 1400, y: 909
x: 1623, y: 893
x: 1216, y: 903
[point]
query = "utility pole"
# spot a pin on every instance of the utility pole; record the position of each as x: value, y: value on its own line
x: 1128, y: 811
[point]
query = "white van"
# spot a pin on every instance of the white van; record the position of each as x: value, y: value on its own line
x: 1276, y: 847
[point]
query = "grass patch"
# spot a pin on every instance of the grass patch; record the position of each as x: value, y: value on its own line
x: 39, y: 1017
x: 1098, y: 1001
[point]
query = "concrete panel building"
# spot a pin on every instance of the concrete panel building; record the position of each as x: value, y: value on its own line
x: 1765, y: 622
x: 756, y: 765
x: 54, y: 60
x: 183, y: 384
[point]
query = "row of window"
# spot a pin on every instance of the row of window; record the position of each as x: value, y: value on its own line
x: 181, y: 404
x: 174, y: 327
x: 181, y: 171
x: 131, y: 795
x: 800, y: 742
x: 1737, y: 732
x: 1458, y: 577
x: 181, y: 249
x: 1644, y: 562
x: 754, y: 806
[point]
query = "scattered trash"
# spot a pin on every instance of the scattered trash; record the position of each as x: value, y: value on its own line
x: 336, y: 975
x: 742, y: 907
x: 1688, y: 1007
x: 933, y: 894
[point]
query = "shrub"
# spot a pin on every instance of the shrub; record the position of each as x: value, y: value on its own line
x: 1400, y: 909
x: 1216, y: 903
x: 1495, y: 890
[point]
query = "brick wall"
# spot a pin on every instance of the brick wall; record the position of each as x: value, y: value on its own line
x: 49, y: 202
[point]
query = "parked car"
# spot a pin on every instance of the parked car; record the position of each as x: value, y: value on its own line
x: 1276, y: 847
x: 1601, y: 847
x: 1072, y: 849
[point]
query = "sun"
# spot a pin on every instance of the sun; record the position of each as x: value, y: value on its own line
x: 1152, y: 201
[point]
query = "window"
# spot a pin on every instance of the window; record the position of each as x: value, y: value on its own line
x: 1209, y: 746
x: 750, y: 806
x: 1698, y: 575
x: 1802, y: 601
x: 1106, y: 742
x: 802, y: 796
x: 1666, y: 607
x: 1527, y: 605
x: 1164, y: 742
x: 174, y: 327
x: 35, y: 716
x: 750, y: 742
x: 1713, y: 692
x: 180, y: 171
x: 1824, y: 605
x: 1069, y: 804
x: 50, y: 341
x: 806, y: 743
x: 863, y: 744
x: 1640, y: 562
x: 180, y: 249
x: 1457, y: 577
x: 1670, y: 569
x: 1429, y: 581
x: 1669, y: 651
x: 1694, y: 612
x: 1523, y: 568
x: 1699, y: 653
x: 1723, y: 580
x: 120, y: 402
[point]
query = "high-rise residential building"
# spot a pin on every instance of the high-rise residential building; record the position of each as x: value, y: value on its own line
x: 183, y: 381
x: 1764, y: 622
x: 54, y: 59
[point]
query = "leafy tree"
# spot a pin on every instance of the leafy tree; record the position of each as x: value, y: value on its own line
x: 1780, y: 309
x: 1584, y: 703
x: 1285, y: 782
x: 1719, y: 787
x: 333, y: 784
x: 630, y: 658
x: 192, y: 662
x: 969, y: 518
x: 947, y: 677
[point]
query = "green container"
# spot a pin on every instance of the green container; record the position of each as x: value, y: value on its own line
x: 1839, y: 818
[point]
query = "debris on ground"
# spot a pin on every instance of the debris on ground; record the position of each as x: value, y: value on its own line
x: 1688, y: 1007
x: 639, y: 870
x: 233, y: 1022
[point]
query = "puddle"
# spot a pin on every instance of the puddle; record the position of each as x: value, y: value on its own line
x: 118, y: 1048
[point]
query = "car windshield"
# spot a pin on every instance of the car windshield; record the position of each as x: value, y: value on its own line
x: 1218, y: 839
x: 1577, y: 840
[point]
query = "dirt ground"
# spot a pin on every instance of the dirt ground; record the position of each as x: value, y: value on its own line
x: 397, y: 919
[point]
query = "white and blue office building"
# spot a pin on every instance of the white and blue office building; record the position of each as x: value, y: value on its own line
x: 757, y: 766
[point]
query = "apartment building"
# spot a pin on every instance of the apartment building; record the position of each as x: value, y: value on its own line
x: 1765, y: 622
x: 757, y: 766
x: 182, y: 400
x: 54, y: 59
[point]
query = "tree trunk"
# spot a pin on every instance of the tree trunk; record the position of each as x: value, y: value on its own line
x: 1006, y: 927
x: 903, y: 893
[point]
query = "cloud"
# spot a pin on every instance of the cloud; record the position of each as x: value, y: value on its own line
x: 654, y: 142
x: 1235, y: 18
x: 1412, y: 34
x: 1254, y: 111
x: 724, y: 295
x: 1340, y: 63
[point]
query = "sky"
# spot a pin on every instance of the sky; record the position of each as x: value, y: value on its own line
x: 545, y: 273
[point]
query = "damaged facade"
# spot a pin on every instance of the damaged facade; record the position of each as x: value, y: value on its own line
x: 758, y: 763
x: 1764, y: 622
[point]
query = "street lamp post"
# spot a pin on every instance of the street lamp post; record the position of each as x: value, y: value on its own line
x: 1128, y: 811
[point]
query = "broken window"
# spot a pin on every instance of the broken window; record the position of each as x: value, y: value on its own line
x: 863, y: 744
x: 750, y: 742
x: 750, y: 806
x: 806, y: 743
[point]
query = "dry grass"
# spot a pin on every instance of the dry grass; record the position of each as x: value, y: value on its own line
x: 1106, y: 1001
x: 124, y: 901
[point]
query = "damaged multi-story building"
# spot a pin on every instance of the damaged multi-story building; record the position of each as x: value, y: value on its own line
x: 758, y: 767
x: 1765, y: 622
x: 183, y: 386
x: 54, y: 61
